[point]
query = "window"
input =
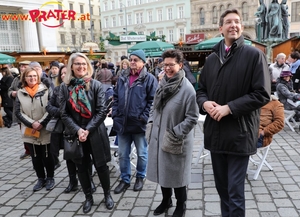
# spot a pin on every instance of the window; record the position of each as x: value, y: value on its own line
x: 170, y: 17
x: 121, y: 20
x: 180, y: 12
x: 171, y: 35
x: 229, y: 6
x: 181, y: 33
x: 138, y: 18
x: 106, y: 23
x: 81, y: 9
x: 71, y: 6
x: 137, y: 2
x: 82, y: 24
x: 129, y: 19
x: 222, y: 9
x: 105, y: 6
x: 128, y: 3
x: 72, y: 24
x: 140, y: 33
x: 114, y: 22
x: 245, y: 11
x: 62, y: 39
x: 73, y: 39
x: 160, y: 33
x: 150, y: 16
x: 202, y: 17
x: 113, y: 5
x: 295, y: 17
x: 215, y: 15
x: 83, y: 38
x: 159, y: 15
x: 92, y: 10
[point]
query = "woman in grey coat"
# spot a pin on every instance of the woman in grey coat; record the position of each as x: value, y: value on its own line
x: 173, y: 115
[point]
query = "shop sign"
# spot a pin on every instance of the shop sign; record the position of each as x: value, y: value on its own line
x: 194, y: 38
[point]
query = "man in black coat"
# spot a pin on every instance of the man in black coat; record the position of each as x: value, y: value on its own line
x: 233, y: 86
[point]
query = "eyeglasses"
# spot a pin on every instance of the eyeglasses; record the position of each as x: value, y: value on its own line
x: 134, y: 60
x: 31, y: 76
x: 171, y: 65
x: 80, y: 64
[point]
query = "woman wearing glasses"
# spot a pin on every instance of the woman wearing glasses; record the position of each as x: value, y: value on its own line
x: 31, y: 102
x: 173, y: 115
x: 83, y: 112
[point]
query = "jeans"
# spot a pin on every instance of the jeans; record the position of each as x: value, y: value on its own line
x: 260, y: 141
x: 124, y: 150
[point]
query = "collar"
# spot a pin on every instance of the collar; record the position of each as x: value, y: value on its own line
x: 137, y: 73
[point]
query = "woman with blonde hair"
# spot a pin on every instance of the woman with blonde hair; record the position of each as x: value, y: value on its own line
x: 123, y: 66
x: 82, y: 108
x: 31, y: 102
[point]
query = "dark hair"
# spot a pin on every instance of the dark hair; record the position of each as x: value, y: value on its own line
x: 229, y: 11
x: 295, y: 55
x: 124, y: 57
x: 59, y: 80
x: 177, y: 54
x: 6, y: 71
x: 104, y: 65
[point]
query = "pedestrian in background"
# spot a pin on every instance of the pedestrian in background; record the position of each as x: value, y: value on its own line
x: 233, y: 86
x: 172, y: 118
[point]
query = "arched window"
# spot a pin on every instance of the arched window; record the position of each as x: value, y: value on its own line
x: 215, y: 15
x: 202, y: 16
x: 245, y: 11
x: 222, y: 9
x: 229, y: 6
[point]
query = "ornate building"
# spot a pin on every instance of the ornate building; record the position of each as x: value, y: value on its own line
x: 206, y: 13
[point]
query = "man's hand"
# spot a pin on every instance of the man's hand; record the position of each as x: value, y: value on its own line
x: 14, y: 93
x: 220, y: 111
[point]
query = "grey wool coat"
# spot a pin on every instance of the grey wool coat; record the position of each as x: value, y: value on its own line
x: 180, y: 114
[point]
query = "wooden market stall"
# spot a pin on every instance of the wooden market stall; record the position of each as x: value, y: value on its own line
x: 286, y: 47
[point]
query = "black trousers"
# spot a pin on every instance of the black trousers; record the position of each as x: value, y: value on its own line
x: 41, y: 159
x: 230, y: 173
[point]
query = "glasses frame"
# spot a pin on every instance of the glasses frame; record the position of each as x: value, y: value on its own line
x: 80, y: 64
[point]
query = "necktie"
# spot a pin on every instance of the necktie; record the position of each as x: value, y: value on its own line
x: 227, y: 49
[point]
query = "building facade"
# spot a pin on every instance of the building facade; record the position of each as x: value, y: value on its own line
x: 19, y: 33
x: 164, y: 17
x: 85, y: 28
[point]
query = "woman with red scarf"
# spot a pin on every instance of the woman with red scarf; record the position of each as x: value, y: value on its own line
x: 82, y: 108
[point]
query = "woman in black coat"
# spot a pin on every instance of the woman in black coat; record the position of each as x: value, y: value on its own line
x: 7, y: 102
x: 82, y: 108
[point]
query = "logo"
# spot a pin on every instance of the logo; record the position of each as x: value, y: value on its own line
x: 48, y: 17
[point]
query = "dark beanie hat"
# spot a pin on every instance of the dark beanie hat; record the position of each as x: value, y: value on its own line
x: 54, y: 63
x: 140, y: 54
x: 285, y: 74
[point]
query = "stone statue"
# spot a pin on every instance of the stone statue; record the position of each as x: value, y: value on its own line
x: 274, y: 21
x: 285, y: 20
x: 260, y: 27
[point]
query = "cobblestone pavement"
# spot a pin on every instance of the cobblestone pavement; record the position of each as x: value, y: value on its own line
x: 274, y: 193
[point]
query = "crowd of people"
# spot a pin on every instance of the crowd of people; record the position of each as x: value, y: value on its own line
x: 154, y: 111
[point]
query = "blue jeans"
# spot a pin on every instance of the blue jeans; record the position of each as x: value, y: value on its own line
x: 260, y: 141
x: 124, y: 150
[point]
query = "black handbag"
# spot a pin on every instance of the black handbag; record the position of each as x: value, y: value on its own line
x: 55, y: 125
x: 72, y: 147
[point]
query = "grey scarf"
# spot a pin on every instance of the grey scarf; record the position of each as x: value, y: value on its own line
x: 167, y: 89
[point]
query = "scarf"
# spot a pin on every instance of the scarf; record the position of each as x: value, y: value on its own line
x: 78, y: 97
x: 32, y: 90
x: 167, y: 89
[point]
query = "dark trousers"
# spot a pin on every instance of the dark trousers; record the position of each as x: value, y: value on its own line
x: 25, y: 146
x: 230, y: 173
x: 41, y: 159
x: 9, y: 113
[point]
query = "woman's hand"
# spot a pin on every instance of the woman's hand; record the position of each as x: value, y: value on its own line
x: 82, y: 135
x: 36, y: 125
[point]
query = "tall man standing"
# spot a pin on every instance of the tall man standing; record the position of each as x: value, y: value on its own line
x: 133, y: 97
x: 234, y: 85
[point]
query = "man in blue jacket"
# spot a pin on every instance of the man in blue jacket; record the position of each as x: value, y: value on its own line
x: 234, y: 85
x: 133, y: 97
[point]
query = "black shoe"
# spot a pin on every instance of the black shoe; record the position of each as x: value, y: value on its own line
x: 87, y: 205
x: 138, y: 185
x: 121, y: 187
x: 163, y: 207
x: 179, y: 210
x: 24, y: 156
x: 73, y: 186
x: 50, y: 183
x: 40, y: 184
x: 109, y: 203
